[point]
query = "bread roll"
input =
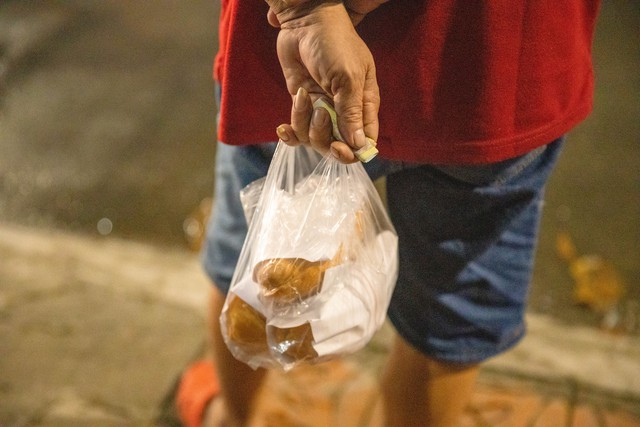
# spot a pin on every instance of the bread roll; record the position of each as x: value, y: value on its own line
x: 295, y: 343
x: 289, y: 280
x: 246, y: 327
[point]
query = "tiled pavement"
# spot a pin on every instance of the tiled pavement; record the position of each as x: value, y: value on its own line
x: 342, y: 393
x: 345, y: 393
x: 93, y: 332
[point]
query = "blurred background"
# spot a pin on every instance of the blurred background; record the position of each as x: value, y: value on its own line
x: 107, y: 113
x: 107, y: 130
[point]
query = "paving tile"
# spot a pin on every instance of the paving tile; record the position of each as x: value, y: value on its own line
x: 331, y: 394
x: 505, y: 400
x: 341, y: 393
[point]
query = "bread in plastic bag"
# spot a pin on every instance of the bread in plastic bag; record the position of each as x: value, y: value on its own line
x: 318, y: 266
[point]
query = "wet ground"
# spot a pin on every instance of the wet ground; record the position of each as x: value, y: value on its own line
x: 106, y: 132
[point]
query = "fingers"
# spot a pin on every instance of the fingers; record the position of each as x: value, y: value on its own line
x: 314, y: 126
x: 287, y: 135
x: 321, y: 137
x: 319, y: 134
x: 357, y: 108
x: 371, y: 107
x: 343, y: 152
x: 301, y: 115
x: 320, y: 130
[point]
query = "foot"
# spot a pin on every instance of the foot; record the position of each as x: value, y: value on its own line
x: 215, y: 414
x: 198, y: 399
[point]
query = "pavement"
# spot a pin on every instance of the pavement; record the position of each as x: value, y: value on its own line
x: 102, y: 300
x: 95, y: 331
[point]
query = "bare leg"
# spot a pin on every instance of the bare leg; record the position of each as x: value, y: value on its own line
x: 420, y: 391
x: 239, y: 383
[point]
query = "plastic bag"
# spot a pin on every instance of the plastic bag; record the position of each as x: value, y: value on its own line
x: 318, y: 266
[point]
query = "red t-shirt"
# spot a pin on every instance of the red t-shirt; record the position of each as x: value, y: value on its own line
x: 460, y: 82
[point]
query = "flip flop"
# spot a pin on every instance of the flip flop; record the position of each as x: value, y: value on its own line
x: 198, y: 386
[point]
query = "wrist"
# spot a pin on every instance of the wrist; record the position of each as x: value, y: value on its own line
x: 358, y: 9
x: 288, y: 10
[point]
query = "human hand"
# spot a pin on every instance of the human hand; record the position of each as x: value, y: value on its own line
x: 322, y: 129
x: 320, y: 51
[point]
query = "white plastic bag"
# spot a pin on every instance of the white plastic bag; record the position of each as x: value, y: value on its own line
x: 318, y: 266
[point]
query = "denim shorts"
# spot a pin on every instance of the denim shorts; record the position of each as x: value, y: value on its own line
x: 467, y: 237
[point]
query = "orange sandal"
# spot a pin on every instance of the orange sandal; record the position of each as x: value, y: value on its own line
x: 198, y: 386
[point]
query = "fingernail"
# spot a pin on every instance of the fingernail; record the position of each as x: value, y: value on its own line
x: 335, y: 153
x: 359, y: 138
x: 282, y: 133
x: 319, y: 117
x: 300, y: 100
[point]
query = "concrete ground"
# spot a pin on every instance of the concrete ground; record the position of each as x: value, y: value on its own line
x: 96, y: 331
x: 106, y: 130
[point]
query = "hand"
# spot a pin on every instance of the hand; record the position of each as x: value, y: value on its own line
x: 316, y: 124
x: 320, y: 51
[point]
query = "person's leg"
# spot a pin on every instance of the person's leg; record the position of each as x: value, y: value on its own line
x: 466, y: 241
x: 239, y: 383
x: 236, y: 167
x: 419, y: 391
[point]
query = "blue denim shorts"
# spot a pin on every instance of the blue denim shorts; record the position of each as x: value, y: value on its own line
x: 467, y: 237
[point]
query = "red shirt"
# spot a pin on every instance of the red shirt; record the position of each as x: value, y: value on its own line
x: 460, y: 82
